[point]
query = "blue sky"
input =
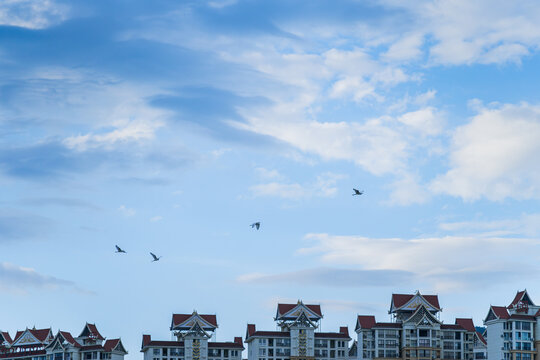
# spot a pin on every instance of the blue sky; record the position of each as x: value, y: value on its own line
x: 171, y: 126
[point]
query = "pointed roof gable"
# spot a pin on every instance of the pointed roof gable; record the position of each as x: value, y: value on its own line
x: 497, y: 312
x: 5, y: 337
x: 186, y: 321
x: 293, y: 311
x: 467, y: 324
x: 521, y: 296
x: 412, y: 301
x: 32, y: 336
x: 481, y: 338
x: 62, y: 339
x: 364, y: 322
x: 421, y: 316
x: 91, y: 331
x: 114, y: 345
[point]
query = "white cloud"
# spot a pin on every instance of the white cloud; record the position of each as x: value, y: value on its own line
x: 324, y: 186
x: 268, y: 174
x: 525, y: 225
x: 446, y: 263
x: 426, y: 121
x: 133, y: 121
x: 32, y: 14
x: 406, y: 48
x: 494, y: 156
x: 127, y: 212
x: 156, y: 218
x: 407, y: 190
x: 20, y: 280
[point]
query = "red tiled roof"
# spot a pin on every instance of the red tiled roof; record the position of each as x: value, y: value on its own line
x: 481, y: 338
x: 110, y: 344
x: 162, y: 343
x: 517, y: 298
x: 452, y: 326
x: 467, y: 324
x: 180, y: 318
x: 272, y: 333
x: 91, y: 347
x: 522, y: 317
x: 344, y: 330
x: 284, y: 308
x: 250, y: 330
x: 401, y: 299
x: 238, y: 340
x: 146, y: 339
x: 228, y: 345
x: 537, y: 313
x: 365, y: 321
x: 331, y: 335
x: 500, y: 312
x: 93, y: 329
x: 7, y: 337
x: 387, y: 325
x: 40, y: 334
x: 69, y: 338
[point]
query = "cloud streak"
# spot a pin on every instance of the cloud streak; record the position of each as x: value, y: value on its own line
x: 447, y: 263
x: 21, y: 280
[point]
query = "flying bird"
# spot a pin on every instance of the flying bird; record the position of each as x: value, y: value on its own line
x: 155, y: 257
x: 119, y: 250
x: 256, y: 225
x: 357, y: 192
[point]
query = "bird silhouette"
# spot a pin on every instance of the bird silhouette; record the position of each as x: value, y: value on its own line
x: 256, y: 225
x: 155, y: 257
x: 119, y: 250
x: 357, y: 192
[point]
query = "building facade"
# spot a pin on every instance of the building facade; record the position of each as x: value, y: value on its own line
x: 298, y: 338
x: 415, y: 332
x: 193, y: 333
x: 514, y: 330
x: 42, y: 344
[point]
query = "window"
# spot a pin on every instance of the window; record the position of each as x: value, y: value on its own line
x: 164, y: 351
x: 262, y: 351
x: 156, y: 352
x: 262, y: 342
x: 423, y: 333
x: 526, y: 326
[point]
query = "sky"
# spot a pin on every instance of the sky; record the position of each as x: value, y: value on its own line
x: 171, y: 126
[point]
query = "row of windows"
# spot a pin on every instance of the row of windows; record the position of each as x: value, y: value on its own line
x: 324, y: 353
x: 276, y: 342
x: 180, y: 352
x: 278, y: 352
x: 518, y: 325
x: 332, y: 343
x: 287, y: 342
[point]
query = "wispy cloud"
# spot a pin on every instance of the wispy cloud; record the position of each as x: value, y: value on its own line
x: 32, y: 14
x: 21, y: 280
x: 15, y: 225
x: 332, y: 277
x: 446, y: 263
x: 126, y: 211
x: 324, y: 186
x: 60, y: 201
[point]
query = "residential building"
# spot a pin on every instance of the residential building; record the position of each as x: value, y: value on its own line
x: 514, y: 330
x: 193, y: 333
x: 297, y: 337
x: 415, y: 332
x: 42, y: 344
